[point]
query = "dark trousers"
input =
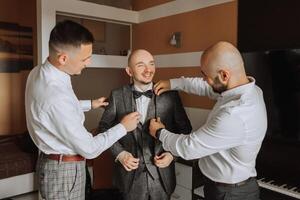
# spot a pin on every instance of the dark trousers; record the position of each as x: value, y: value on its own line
x: 247, y: 191
x: 144, y: 187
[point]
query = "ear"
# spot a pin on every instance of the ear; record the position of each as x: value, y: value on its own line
x: 224, y: 76
x: 62, y: 58
x: 128, y: 71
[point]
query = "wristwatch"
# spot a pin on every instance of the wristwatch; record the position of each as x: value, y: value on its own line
x: 158, y: 132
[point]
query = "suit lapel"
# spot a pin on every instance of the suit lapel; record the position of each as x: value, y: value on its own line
x: 150, y: 115
x: 129, y: 105
x: 150, y: 110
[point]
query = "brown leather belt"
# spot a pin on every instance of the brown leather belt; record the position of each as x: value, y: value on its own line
x: 65, y: 158
x: 231, y: 184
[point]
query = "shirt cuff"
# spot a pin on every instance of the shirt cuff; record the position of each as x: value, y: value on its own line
x: 163, y: 134
x: 86, y: 105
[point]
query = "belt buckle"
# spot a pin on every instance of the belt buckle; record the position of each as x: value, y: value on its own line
x: 240, y: 183
x: 243, y: 182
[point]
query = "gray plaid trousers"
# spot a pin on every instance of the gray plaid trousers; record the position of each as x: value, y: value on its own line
x: 61, y: 180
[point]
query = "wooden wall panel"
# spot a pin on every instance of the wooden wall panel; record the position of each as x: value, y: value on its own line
x: 23, y: 13
x: 12, y: 85
x: 12, y: 106
x: 103, y: 171
x: 93, y: 82
x: 143, y: 4
x: 200, y: 29
x: 5, y: 105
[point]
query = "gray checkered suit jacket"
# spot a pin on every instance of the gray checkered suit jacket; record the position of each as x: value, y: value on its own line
x: 169, y: 108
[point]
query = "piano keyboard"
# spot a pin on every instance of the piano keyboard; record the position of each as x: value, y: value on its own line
x: 283, y: 189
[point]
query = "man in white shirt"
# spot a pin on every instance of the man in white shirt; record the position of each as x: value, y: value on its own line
x: 228, y: 143
x: 143, y: 170
x: 55, y: 116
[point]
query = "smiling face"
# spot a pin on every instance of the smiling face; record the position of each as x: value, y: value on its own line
x: 141, y: 67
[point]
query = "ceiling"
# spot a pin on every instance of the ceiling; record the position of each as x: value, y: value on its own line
x: 125, y: 4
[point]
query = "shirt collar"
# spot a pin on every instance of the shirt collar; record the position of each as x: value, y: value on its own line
x: 150, y: 86
x: 240, y: 89
x: 58, y: 74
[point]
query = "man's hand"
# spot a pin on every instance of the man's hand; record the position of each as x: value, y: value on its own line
x: 155, y: 124
x: 130, y: 121
x: 163, y: 160
x: 96, y: 103
x: 162, y: 86
x: 128, y: 161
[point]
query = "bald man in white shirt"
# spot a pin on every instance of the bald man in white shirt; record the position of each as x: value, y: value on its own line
x: 228, y: 143
x: 55, y: 116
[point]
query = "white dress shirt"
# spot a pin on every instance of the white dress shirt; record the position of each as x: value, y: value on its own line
x: 228, y: 143
x: 55, y: 116
x: 142, y: 102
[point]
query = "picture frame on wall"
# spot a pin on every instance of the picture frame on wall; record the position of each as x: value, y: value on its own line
x: 16, y: 47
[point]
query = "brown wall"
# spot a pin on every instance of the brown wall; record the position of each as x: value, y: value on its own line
x: 97, y: 82
x: 12, y: 106
x: 12, y: 85
x: 23, y: 13
x: 199, y: 29
x: 143, y: 4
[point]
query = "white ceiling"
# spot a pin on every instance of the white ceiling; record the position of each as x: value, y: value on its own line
x: 125, y: 4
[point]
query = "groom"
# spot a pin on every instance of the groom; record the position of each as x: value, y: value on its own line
x: 143, y: 169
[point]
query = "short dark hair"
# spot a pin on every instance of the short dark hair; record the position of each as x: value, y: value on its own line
x: 69, y: 33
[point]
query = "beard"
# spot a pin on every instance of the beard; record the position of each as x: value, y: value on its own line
x: 219, y: 87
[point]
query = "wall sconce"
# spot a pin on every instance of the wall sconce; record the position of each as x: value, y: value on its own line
x: 176, y: 39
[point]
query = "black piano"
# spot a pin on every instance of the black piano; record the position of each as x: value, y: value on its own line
x: 277, y: 73
x: 278, y: 168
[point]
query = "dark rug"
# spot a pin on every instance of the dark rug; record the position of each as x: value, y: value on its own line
x: 107, y: 194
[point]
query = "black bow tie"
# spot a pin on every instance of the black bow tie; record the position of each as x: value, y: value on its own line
x: 137, y: 94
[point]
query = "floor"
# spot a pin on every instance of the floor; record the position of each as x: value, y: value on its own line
x: 112, y: 195
x: 29, y: 196
x: 96, y: 195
